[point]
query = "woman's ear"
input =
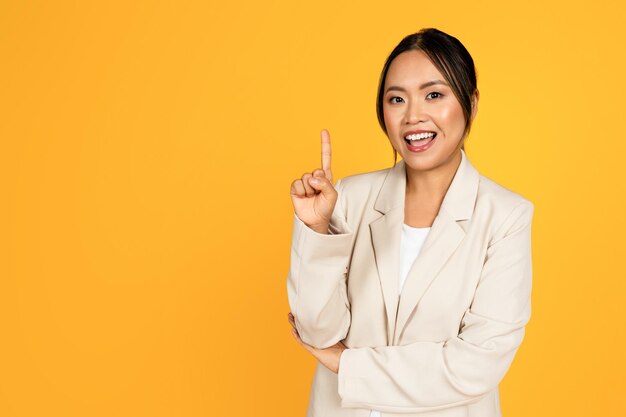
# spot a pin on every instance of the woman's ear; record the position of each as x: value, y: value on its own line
x: 475, y: 98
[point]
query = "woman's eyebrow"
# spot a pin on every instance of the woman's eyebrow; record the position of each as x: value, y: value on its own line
x: 423, y: 86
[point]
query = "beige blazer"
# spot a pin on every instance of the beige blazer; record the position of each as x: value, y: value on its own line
x: 441, y: 347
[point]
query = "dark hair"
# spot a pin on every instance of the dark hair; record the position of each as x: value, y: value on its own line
x: 450, y: 57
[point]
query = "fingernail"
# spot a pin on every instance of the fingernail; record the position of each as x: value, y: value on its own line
x: 315, y: 181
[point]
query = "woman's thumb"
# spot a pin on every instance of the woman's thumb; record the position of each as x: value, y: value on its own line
x: 322, y: 184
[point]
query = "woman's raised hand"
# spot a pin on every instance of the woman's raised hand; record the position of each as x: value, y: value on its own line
x: 314, y: 196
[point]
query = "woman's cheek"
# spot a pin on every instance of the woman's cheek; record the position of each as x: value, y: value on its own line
x: 391, y: 117
x: 445, y: 112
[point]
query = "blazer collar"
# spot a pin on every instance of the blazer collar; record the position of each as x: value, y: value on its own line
x: 458, y: 201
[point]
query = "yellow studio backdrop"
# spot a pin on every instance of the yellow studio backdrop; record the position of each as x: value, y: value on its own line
x: 147, y: 149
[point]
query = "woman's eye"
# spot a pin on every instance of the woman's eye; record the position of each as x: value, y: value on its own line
x: 393, y: 99
x: 434, y: 92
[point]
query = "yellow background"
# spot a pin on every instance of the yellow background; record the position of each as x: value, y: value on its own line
x: 147, y: 149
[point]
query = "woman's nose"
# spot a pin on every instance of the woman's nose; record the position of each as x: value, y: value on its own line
x: 414, y: 113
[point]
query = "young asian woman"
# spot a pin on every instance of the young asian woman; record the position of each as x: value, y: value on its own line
x: 411, y: 285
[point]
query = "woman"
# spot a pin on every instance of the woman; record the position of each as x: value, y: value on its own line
x: 411, y: 285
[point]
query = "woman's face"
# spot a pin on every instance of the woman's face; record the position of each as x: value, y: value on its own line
x: 424, y: 119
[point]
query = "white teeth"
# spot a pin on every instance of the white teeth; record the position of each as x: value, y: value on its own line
x: 418, y: 136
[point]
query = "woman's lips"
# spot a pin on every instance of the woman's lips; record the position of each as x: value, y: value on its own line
x: 420, y: 145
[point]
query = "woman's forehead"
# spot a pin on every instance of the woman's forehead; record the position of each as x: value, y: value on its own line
x: 412, y: 67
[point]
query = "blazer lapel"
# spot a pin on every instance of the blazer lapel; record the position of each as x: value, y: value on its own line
x: 386, y: 232
x: 386, y: 241
x: 444, y: 237
x: 442, y: 240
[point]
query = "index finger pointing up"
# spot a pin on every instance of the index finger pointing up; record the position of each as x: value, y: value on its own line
x: 326, y: 154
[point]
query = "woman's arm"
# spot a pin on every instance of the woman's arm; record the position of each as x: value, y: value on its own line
x: 329, y: 357
x: 428, y: 375
x: 316, y: 283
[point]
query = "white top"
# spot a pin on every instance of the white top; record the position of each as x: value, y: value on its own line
x: 410, y: 245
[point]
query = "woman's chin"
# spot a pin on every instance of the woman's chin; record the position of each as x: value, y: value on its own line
x: 430, y: 161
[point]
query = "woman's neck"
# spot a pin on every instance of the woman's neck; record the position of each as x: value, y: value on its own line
x: 430, y: 186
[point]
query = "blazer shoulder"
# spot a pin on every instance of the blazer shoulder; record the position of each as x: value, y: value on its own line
x: 362, y: 184
x: 357, y: 192
x: 494, y: 193
x: 504, y: 207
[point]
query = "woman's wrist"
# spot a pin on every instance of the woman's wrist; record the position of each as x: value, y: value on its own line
x: 321, y: 229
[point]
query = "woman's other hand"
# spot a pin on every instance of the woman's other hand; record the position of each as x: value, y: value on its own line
x: 314, y: 196
x: 328, y: 357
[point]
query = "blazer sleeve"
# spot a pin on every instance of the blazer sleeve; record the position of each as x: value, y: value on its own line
x: 317, y: 279
x: 427, y: 376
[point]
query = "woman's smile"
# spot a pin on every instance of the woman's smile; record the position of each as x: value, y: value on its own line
x: 419, y: 141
